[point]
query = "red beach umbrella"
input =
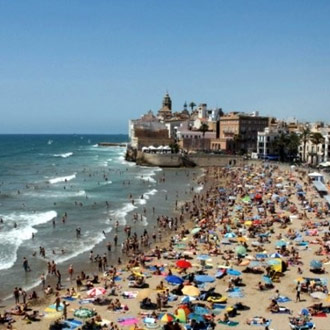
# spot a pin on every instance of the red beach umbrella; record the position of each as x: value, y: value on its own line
x: 183, y: 264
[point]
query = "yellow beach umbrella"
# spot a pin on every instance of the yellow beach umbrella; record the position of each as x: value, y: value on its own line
x: 191, y: 290
x: 144, y: 293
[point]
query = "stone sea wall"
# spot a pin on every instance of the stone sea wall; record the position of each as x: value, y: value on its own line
x: 177, y: 160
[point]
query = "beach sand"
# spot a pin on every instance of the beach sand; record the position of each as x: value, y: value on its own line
x: 208, y: 208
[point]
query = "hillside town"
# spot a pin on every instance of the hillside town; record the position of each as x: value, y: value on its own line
x: 199, y: 128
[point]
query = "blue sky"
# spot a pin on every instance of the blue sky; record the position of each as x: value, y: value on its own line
x: 88, y: 66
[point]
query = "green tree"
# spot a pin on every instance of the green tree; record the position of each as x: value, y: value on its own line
x: 204, y: 128
x: 304, y: 137
x: 293, y: 145
x: 174, y: 148
x: 316, y: 139
x: 192, y: 106
x: 280, y: 145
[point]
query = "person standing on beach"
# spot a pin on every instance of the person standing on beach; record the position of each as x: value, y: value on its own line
x: 59, y: 278
x: 16, y: 295
x: 43, y: 281
x: 65, y: 309
x: 57, y: 301
x: 26, y: 265
x: 115, y: 239
x: 298, y: 290
x: 70, y: 271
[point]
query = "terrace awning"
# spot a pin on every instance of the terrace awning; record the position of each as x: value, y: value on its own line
x: 320, y: 187
x: 327, y: 198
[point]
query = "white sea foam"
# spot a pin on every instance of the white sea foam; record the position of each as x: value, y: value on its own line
x: 65, y: 155
x: 147, y: 176
x: 120, y: 214
x: 62, y: 179
x: 86, y: 243
x: 199, y: 188
x: 54, y: 194
x: 11, y: 240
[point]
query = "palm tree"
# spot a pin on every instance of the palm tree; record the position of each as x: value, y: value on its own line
x: 192, y: 106
x: 316, y: 139
x: 204, y: 128
x: 293, y: 145
x: 280, y: 144
x: 304, y: 137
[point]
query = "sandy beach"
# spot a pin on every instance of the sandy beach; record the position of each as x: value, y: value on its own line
x: 251, y: 234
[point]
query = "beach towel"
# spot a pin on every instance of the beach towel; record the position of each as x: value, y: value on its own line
x: 70, y: 298
x: 283, y: 299
x: 72, y: 324
x: 261, y: 255
x: 219, y: 306
x: 128, y: 320
x: 256, y: 323
x: 236, y: 293
x: 229, y: 323
x: 52, y: 308
x: 321, y: 314
x: 85, y: 301
x: 130, y: 294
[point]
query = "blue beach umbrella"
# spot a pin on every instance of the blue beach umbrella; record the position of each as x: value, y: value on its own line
x: 230, y: 235
x: 316, y: 264
x: 276, y: 255
x: 255, y: 264
x: 274, y: 262
x: 267, y: 279
x: 282, y: 199
x: 203, y: 257
x: 281, y: 243
x: 187, y: 299
x: 204, y: 278
x: 173, y: 279
x: 233, y: 272
x: 196, y: 317
x: 201, y: 310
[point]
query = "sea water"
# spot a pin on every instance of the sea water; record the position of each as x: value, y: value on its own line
x: 44, y: 177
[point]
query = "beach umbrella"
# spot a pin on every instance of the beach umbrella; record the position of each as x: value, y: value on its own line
x: 203, y: 257
x: 241, y: 250
x: 230, y: 235
x: 282, y: 199
x: 196, y: 317
x: 201, y: 310
x: 84, y: 313
x: 182, y: 312
x: 255, y: 264
x: 246, y: 199
x: 267, y: 279
x: 318, y: 295
x: 96, y: 292
x: 144, y: 293
x: 187, y: 299
x: 173, y: 279
x: 258, y: 196
x: 276, y: 255
x: 316, y: 264
x: 183, y: 264
x: 191, y: 290
x: 167, y: 317
x: 281, y: 243
x: 275, y: 261
x: 195, y: 230
x: 241, y: 239
x: 233, y: 272
x: 204, y: 278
